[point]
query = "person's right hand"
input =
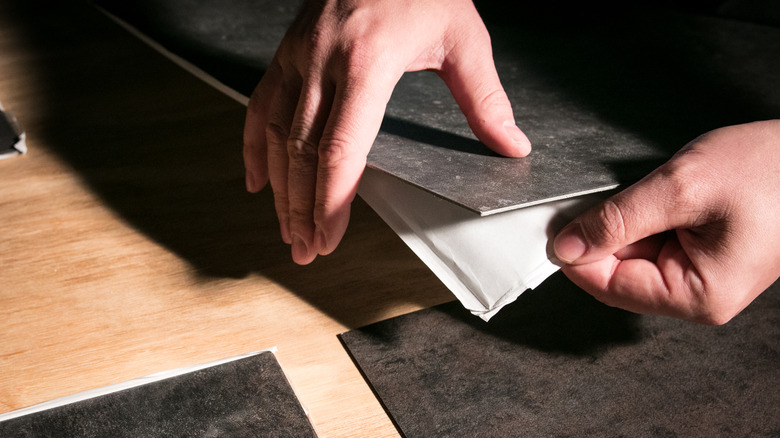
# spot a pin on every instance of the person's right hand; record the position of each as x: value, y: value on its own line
x: 697, y: 239
x: 315, y: 114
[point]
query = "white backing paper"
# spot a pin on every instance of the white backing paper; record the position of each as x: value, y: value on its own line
x: 486, y: 261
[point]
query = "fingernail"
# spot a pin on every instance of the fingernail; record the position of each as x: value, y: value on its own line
x: 320, y: 241
x: 284, y: 228
x: 518, y: 137
x: 251, y: 181
x: 570, y: 245
x: 299, y: 249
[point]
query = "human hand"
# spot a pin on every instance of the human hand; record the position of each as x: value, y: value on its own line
x: 697, y: 239
x: 314, y: 115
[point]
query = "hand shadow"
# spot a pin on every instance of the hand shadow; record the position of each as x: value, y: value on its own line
x: 162, y: 150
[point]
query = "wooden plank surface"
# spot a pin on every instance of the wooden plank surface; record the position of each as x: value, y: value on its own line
x: 129, y: 245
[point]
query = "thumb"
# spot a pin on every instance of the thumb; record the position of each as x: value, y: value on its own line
x: 660, y: 202
x: 471, y: 76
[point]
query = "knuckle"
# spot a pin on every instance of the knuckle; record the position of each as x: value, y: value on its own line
x: 360, y: 46
x: 333, y: 151
x: 305, y: 46
x: 608, y: 227
x: 301, y: 150
x: 492, y: 101
x: 495, y: 97
x: 480, y: 35
x: 473, y: 35
x: 276, y: 134
x: 299, y: 214
x: 320, y: 217
x: 705, y: 300
x: 684, y: 192
x: 359, y: 52
x: 354, y: 58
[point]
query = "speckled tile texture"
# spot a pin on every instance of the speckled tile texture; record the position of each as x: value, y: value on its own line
x: 605, y: 93
x: 557, y: 363
x: 243, y: 398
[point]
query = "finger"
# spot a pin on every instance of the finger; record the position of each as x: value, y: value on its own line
x: 353, y: 124
x: 640, y: 285
x: 660, y: 202
x: 302, y: 150
x: 277, y: 132
x: 470, y: 73
x: 255, y: 144
x: 647, y: 248
x: 635, y: 296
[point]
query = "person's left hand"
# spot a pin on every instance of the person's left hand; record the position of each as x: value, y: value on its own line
x: 314, y: 115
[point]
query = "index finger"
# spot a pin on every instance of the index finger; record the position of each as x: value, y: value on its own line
x: 658, y: 279
x: 354, y: 121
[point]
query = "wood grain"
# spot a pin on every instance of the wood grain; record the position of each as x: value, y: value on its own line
x: 129, y: 245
